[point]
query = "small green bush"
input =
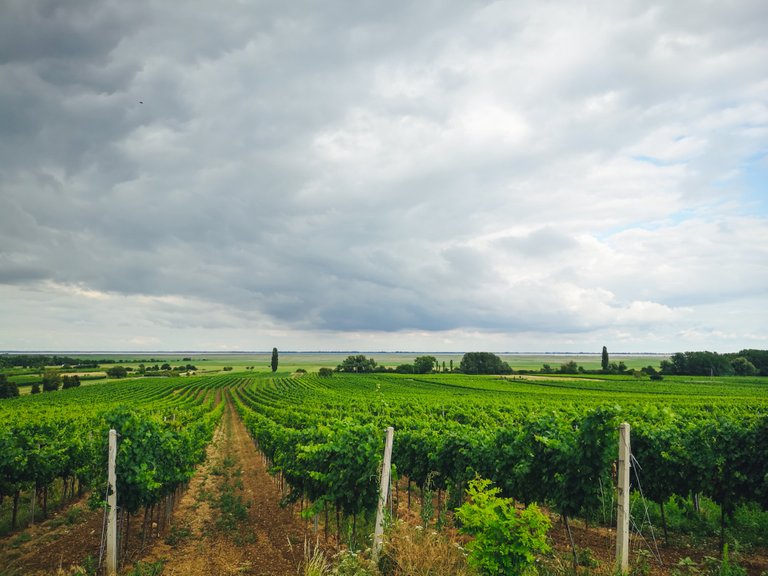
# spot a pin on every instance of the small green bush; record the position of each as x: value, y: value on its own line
x: 507, y: 540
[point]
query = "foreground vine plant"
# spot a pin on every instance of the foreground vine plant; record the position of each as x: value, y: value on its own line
x: 507, y: 540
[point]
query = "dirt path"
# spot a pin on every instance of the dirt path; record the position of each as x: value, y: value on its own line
x: 229, y: 521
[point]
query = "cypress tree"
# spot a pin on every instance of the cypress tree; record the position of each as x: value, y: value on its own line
x: 274, y: 359
x: 605, y: 362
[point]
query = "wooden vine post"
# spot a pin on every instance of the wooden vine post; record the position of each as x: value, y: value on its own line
x: 622, y: 516
x: 386, y: 469
x: 112, y: 506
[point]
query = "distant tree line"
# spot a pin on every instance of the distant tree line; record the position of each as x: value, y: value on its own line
x: 359, y: 363
x: 748, y: 362
x: 156, y: 370
x: 52, y: 380
x: 42, y: 360
x: 471, y: 363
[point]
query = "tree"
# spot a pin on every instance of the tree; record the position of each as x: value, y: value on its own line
x: 759, y: 358
x: 605, y: 362
x: 616, y: 368
x: 35, y: 388
x: 698, y: 364
x: 325, y: 372
x: 743, y: 367
x: 8, y: 389
x: 483, y: 363
x: 569, y: 367
x: 357, y: 363
x: 652, y: 373
x: 51, y: 381
x: 70, y: 381
x: 117, y: 372
x: 274, y: 359
x: 424, y: 364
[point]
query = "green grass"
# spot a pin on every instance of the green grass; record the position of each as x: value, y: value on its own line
x: 312, y: 361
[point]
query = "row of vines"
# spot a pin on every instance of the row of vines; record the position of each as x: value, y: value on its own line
x: 325, y: 436
x: 63, y: 438
x: 550, y: 442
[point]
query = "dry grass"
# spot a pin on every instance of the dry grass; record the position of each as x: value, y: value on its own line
x: 414, y: 551
x: 314, y: 563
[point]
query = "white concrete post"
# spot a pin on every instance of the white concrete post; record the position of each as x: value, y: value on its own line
x: 112, y: 506
x: 386, y: 469
x: 622, y: 516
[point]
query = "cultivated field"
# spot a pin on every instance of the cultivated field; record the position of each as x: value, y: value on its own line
x: 187, y: 465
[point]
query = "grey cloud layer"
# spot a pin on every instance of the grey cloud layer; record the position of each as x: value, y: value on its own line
x: 385, y: 166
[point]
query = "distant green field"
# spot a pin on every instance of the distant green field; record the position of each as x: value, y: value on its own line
x: 22, y: 379
x: 312, y: 361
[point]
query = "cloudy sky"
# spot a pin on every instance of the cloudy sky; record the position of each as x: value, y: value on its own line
x: 399, y: 175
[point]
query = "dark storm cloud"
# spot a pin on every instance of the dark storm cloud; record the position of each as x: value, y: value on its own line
x: 39, y: 30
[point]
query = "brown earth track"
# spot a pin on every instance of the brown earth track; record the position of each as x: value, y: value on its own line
x: 268, y: 542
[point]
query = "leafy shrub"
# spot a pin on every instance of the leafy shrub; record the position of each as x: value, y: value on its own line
x: 507, y: 540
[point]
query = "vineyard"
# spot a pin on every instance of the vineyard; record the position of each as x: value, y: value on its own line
x: 546, y: 440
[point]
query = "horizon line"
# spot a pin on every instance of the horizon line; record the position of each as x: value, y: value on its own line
x: 198, y: 352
